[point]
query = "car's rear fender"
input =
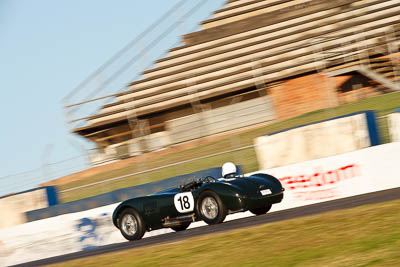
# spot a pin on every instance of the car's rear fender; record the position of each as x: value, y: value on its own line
x: 273, y: 182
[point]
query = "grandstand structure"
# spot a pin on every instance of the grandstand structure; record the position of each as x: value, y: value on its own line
x: 253, y: 62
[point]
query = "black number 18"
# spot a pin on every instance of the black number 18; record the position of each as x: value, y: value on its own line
x: 184, y: 202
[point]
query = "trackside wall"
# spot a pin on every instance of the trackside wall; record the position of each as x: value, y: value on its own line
x: 14, y: 206
x: 321, y: 139
x: 394, y: 125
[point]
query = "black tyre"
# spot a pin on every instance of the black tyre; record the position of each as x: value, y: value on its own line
x: 181, y: 227
x: 131, y: 224
x: 210, y: 208
x: 261, y: 211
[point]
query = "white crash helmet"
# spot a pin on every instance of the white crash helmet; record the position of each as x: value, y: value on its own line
x: 228, y: 168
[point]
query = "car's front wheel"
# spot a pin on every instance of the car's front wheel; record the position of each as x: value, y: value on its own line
x: 210, y: 208
x: 131, y: 224
x: 261, y: 211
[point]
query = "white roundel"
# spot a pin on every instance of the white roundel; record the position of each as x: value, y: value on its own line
x: 184, y: 202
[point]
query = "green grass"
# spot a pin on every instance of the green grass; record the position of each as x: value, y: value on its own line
x: 363, y: 236
x: 383, y: 104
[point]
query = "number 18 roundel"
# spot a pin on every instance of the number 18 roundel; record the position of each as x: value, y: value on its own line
x: 184, y: 202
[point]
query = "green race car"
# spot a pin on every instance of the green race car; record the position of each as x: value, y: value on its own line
x: 208, y: 199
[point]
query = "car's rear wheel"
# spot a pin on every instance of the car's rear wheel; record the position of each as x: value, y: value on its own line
x: 261, y: 211
x: 210, y: 208
x: 181, y: 227
x: 131, y: 224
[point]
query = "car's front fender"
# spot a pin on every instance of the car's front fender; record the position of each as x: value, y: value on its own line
x: 230, y: 195
x: 130, y: 203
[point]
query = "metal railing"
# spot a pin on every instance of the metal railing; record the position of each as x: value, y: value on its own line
x: 49, y: 171
x: 155, y: 169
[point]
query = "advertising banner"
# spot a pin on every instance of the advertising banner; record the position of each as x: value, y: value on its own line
x: 349, y: 174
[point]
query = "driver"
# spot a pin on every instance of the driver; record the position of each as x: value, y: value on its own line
x: 228, y: 170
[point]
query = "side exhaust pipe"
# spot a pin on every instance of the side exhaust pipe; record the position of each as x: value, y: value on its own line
x: 170, y: 222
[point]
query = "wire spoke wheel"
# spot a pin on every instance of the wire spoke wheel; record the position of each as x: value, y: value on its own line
x: 209, y: 208
x: 129, y: 224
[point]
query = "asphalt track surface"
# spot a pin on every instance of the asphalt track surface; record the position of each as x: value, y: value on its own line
x: 344, y: 203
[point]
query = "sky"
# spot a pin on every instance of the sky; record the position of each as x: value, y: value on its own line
x: 47, y: 47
